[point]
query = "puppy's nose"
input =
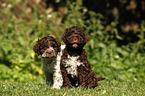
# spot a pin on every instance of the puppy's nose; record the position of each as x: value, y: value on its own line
x: 75, y: 45
x: 49, y: 53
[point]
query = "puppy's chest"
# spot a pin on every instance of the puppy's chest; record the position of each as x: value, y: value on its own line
x: 48, y: 64
x: 71, y: 65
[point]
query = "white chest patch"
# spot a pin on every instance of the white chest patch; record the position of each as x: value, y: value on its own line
x: 53, y: 66
x: 71, y: 65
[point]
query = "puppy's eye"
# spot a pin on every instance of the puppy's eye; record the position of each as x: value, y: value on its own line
x: 42, y: 50
x: 81, y: 39
x: 69, y: 39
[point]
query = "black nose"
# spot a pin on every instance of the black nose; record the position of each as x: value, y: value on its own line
x: 49, y: 53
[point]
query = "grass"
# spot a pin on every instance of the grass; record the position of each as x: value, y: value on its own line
x: 106, y: 88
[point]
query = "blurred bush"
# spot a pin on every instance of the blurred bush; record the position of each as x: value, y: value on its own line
x: 23, y: 22
x: 127, y: 13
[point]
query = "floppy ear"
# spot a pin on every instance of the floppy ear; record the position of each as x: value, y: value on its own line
x: 63, y: 37
x: 58, y: 44
x: 36, y: 47
x: 87, y: 37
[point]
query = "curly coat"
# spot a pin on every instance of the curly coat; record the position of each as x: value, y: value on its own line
x: 49, y: 50
x: 45, y: 43
x: 75, y: 67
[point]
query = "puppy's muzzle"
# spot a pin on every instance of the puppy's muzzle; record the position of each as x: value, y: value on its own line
x: 75, y: 45
x: 49, y: 52
x: 74, y: 42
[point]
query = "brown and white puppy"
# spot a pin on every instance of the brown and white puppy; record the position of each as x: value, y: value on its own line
x: 75, y: 67
x: 49, y: 50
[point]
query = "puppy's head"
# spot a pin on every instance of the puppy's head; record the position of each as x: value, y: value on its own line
x: 47, y: 47
x: 75, y: 37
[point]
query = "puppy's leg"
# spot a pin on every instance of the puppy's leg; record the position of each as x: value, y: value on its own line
x: 49, y: 78
x: 87, y: 77
x: 48, y: 68
x: 66, y: 80
x: 58, y: 81
x: 48, y: 74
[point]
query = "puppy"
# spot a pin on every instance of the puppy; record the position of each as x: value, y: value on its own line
x: 75, y: 67
x: 49, y: 50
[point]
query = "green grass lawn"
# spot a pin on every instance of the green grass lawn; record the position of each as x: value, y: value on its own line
x: 106, y: 88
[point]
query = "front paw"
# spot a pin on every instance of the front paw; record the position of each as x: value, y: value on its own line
x: 68, y: 85
x: 49, y: 82
x: 55, y: 87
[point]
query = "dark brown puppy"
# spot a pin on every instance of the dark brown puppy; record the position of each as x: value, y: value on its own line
x: 75, y: 67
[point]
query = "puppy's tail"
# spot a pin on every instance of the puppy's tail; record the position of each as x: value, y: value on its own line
x: 100, y: 78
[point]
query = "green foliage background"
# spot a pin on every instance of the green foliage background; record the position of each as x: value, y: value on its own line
x: 18, y: 35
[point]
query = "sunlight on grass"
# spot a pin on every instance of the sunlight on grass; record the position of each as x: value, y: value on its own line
x: 107, y: 88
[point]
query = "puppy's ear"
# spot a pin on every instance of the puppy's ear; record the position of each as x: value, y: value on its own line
x: 58, y: 44
x: 36, y: 47
x: 87, y: 37
x: 63, y: 37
